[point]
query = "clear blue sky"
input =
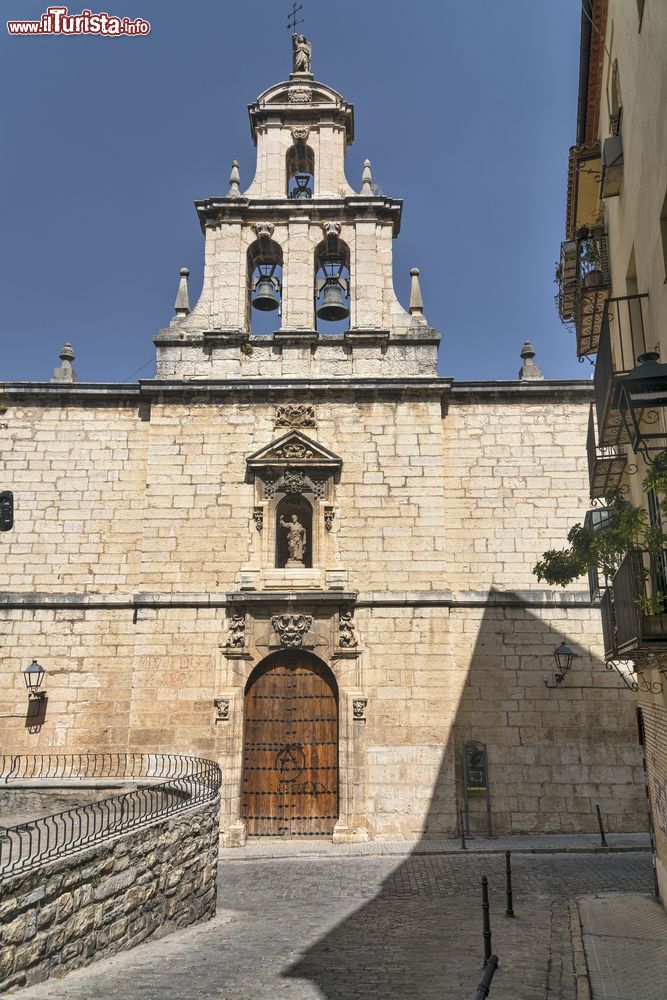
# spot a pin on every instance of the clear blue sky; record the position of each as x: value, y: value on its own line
x: 466, y: 111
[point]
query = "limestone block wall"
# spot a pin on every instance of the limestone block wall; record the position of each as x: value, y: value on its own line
x: 78, y: 478
x: 515, y: 480
x: 108, y: 898
x: 438, y: 677
x: 129, y: 542
x: 278, y: 356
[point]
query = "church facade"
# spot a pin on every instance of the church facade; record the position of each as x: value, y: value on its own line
x: 304, y: 554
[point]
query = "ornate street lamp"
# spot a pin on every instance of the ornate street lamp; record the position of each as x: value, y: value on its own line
x: 33, y: 677
x: 563, y: 657
x: 642, y: 394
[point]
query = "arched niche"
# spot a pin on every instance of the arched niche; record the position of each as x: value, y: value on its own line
x: 290, y: 507
x: 300, y: 172
x: 265, y: 286
x: 332, y: 285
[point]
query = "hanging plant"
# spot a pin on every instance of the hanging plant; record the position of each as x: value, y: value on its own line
x: 602, y: 548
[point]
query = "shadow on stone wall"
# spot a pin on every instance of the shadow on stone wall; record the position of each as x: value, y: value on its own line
x: 552, y: 755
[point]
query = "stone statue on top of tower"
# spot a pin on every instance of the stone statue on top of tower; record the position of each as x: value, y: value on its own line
x: 302, y: 54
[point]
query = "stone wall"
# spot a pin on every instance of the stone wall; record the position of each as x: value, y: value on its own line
x: 446, y: 498
x: 108, y: 898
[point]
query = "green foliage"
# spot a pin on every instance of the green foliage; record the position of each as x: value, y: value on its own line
x: 602, y: 549
x: 246, y: 348
x: 654, y: 604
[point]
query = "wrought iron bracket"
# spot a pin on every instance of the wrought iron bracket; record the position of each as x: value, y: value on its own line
x: 641, y: 683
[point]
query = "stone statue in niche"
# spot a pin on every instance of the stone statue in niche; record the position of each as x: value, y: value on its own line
x: 302, y: 54
x: 296, y: 541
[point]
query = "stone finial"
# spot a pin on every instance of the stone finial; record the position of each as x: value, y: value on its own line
x: 416, y: 300
x: 529, y: 370
x: 234, y: 181
x: 65, y: 373
x: 182, y: 303
x: 367, y: 179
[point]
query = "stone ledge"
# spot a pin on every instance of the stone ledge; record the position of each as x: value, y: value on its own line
x: 443, y: 598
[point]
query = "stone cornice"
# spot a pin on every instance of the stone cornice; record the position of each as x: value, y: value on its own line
x: 113, y: 393
x: 521, y: 391
x: 363, y: 599
x: 212, y: 211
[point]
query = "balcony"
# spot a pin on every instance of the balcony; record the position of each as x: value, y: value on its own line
x: 584, y: 285
x: 634, y: 606
x: 622, y: 341
x: 606, y: 463
x: 595, y: 520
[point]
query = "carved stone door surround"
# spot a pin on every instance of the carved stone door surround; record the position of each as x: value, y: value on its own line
x: 325, y: 627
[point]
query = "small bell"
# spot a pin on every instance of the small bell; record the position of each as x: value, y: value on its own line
x: 264, y: 293
x: 303, y: 189
x: 333, y: 306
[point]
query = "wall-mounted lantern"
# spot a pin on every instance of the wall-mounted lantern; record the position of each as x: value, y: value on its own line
x: 563, y: 659
x: 642, y: 394
x: 34, y: 678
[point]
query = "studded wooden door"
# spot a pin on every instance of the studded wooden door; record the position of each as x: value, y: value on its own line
x: 290, y: 750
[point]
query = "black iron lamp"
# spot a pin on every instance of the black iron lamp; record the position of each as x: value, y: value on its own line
x: 563, y: 657
x: 34, y: 677
x: 642, y: 394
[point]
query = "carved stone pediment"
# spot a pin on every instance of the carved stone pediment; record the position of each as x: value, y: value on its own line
x: 294, y: 449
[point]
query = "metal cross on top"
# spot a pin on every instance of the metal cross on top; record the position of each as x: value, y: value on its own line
x: 292, y: 19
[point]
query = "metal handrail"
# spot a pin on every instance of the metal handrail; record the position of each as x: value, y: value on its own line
x: 96, y: 765
x: 190, y: 781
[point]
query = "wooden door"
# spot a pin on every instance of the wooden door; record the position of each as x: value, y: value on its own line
x: 290, y: 751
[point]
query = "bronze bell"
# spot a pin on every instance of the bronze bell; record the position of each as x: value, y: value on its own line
x: 333, y: 306
x: 303, y: 190
x: 265, y: 298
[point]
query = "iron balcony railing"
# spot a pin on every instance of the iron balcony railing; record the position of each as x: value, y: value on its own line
x: 606, y: 463
x: 634, y: 606
x: 189, y: 782
x: 596, y: 520
x: 623, y: 339
x: 584, y: 285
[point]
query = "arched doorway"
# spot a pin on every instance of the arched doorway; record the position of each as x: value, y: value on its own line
x: 290, y: 748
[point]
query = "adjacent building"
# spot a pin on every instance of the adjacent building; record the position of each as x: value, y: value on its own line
x: 300, y: 551
x: 612, y: 289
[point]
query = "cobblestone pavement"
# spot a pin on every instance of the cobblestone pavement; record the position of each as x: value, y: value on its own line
x: 625, y: 937
x: 377, y: 928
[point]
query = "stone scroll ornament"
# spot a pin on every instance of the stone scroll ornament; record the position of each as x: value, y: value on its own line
x: 294, y: 450
x: 221, y: 709
x: 291, y: 628
x: 294, y: 481
x: 295, y: 415
x: 236, y: 634
x: 300, y: 133
x: 347, y: 638
x: 331, y: 228
x: 359, y: 708
x: 263, y: 230
x: 300, y: 95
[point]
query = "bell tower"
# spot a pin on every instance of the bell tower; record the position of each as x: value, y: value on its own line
x: 302, y: 251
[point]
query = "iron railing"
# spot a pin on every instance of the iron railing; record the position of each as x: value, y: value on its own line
x: 96, y: 766
x: 634, y: 607
x: 623, y: 338
x: 584, y: 285
x: 190, y: 781
x: 606, y: 463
